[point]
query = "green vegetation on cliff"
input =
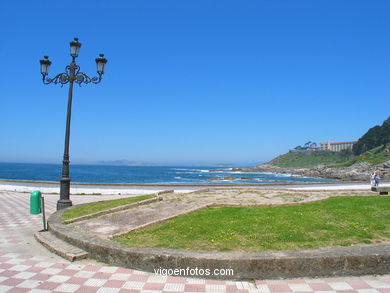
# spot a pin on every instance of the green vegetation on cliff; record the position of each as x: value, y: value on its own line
x: 311, y: 158
x: 375, y: 156
x: 374, y: 137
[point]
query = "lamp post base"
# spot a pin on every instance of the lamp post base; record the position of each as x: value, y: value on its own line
x: 64, y: 200
x: 63, y: 203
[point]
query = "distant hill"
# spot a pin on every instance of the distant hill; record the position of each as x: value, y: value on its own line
x: 224, y: 165
x: 124, y: 163
x: 373, y: 138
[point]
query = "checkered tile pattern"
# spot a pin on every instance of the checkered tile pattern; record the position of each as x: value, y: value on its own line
x: 41, y: 273
x: 15, y: 218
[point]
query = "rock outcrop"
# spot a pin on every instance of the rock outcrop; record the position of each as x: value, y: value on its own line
x: 356, y: 172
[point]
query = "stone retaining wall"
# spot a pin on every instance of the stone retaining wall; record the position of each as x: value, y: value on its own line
x: 328, y: 261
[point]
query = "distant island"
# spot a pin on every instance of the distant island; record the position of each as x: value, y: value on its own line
x: 224, y: 165
x: 125, y: 163
x: 353, y: 161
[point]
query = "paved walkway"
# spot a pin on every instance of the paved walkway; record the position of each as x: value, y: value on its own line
x: 25, y: 266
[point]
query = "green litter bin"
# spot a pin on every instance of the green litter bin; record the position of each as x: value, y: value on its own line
x: 35, y: 202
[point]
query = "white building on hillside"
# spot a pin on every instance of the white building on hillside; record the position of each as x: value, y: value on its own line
x: 337, y: 146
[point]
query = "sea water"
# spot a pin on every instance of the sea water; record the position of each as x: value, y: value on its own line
x: 146, y: 174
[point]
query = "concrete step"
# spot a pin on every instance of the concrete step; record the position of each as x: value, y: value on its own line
x: 59, y: 246
x: 382, y: 190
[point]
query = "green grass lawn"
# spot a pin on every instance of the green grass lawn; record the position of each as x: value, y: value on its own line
x: 94, y: 207
x: 335, y: 221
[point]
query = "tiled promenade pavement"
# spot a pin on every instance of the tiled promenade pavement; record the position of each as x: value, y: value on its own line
x: 25, y: 266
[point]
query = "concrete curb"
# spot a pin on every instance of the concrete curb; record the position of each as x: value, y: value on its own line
x: 59, y: 247
x: 160, y: 221
x: 113, y: 210
x: 119, y: 208
x: 328, y: 261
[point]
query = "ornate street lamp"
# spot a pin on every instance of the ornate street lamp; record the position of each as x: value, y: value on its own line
x: 71, y: 75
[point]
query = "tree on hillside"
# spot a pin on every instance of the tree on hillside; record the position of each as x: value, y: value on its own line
x: 374, y: 137
x: 307, y: 145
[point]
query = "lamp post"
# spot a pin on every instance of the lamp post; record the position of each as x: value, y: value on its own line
x: 71, y: 75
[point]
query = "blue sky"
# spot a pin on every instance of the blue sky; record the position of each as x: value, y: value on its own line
x: 193, y: 82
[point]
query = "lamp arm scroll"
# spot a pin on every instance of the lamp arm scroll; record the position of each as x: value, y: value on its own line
x: 78, y: 77
x: 62, y: 78
x: 82, y: 77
